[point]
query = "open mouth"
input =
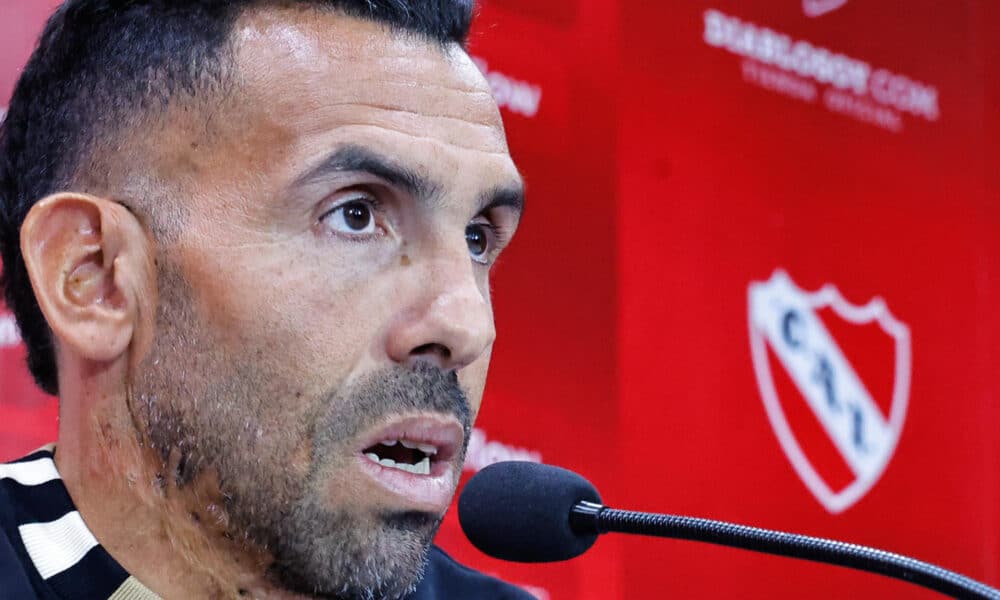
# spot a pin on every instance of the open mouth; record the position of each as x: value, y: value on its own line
x: 421, y: 445
x: 412, y: 457
x: 403, y: 454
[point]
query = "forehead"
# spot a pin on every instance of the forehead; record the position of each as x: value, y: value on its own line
x: 324, y: 69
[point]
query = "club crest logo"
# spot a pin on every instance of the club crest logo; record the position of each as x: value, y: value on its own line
x: 835, y: 381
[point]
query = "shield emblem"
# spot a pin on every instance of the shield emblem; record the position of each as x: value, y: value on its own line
x: 835, y: 381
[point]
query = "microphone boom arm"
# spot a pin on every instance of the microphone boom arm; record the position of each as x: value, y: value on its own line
x: 592, y: 518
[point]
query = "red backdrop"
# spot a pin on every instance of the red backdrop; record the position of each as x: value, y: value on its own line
x: 756, y: 281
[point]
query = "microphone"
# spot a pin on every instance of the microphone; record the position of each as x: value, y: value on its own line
x: 519, y: 511
x: 529, y: 512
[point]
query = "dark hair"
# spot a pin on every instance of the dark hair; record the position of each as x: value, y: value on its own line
x: 101, y: 62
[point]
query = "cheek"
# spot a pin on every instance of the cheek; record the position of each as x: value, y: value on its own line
x: 473, y: 381
x: 310, y: 321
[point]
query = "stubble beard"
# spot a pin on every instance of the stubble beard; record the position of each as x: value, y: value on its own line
x: 206, y: 411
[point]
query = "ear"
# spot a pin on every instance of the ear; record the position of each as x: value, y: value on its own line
x: 90, y: 264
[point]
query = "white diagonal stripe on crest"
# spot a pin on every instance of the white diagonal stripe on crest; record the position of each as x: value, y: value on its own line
x: 769, y: 303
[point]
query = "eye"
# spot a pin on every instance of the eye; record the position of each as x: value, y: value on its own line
x: 354, y: 217
x: 478, y: 236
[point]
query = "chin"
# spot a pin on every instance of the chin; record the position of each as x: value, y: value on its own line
x: 383, y: 558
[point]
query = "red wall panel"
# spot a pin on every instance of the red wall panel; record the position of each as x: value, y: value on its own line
x: 722, y: 181
x: 674, y: 158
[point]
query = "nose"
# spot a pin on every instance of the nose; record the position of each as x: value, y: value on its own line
x: 449, y: 323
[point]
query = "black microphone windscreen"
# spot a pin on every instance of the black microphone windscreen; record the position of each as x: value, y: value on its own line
x: 520, y: 511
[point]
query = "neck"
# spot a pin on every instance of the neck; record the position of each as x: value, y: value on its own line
x: 172, y: 538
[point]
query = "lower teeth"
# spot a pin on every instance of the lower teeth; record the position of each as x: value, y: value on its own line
x: 421, y: 468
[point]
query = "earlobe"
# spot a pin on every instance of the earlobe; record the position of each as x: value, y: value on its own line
x: 85, y: 268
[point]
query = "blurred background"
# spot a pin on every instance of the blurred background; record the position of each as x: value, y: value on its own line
x: 757, y: 281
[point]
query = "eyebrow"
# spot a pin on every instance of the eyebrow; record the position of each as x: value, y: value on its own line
x: 500, y: 196
x: 358, y: 159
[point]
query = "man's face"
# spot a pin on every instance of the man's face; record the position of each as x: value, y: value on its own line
x: 327, y: 290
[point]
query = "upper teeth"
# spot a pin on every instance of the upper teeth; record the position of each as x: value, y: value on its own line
x: 428, y: 449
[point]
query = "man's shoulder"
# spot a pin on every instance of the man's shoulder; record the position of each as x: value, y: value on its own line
x: 446, y: 578
x: 15, y: 581
x: 16, y: 578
